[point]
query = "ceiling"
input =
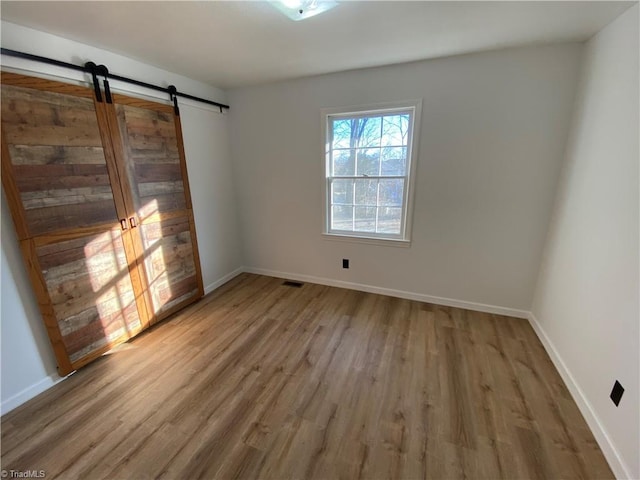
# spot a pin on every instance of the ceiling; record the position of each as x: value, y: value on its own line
x: 233, y: 44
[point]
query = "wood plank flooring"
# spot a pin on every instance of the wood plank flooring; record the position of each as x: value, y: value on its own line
x: 265, y: 381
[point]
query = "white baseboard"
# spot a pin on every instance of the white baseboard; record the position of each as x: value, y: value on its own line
x: 218, y: 283
x: 617, y: 464
x: 420, y: 297
x: 29, y: 392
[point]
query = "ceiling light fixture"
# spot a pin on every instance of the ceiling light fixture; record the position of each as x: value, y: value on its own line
x: 301, y: 9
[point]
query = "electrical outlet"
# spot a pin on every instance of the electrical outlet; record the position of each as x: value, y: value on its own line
x: 616, y: 393
x: 345, y: 263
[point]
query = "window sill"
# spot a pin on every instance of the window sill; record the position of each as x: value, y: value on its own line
x: 385, y: 242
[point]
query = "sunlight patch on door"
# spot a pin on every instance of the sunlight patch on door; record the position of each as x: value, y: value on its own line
x: 113, y: 297
x: 154, y: 258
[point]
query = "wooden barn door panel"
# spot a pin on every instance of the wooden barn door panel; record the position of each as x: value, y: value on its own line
x: 88, y: 283
x: 155, y: 170
x: 170, y: 265
x: 55, y: 154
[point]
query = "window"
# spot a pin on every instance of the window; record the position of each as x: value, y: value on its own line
x: 369, y: 160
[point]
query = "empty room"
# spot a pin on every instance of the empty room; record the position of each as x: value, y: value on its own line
x: 316, y: 239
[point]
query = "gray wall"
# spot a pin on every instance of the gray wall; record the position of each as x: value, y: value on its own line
x: 587, y: 299
x: 493, y: 132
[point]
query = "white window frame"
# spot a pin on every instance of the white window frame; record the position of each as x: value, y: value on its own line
x: 414, y: 108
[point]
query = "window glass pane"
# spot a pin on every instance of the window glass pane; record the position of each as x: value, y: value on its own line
x: 394, y: 161
x: 367, y: 131
x: 389, y: 219
x: 365, y: 219
x: 366, y: 192
x: 342, y: 192
x: 395, y: 130
x: 341, y: 217
x: 391, y: 192
x: 368, y: 161
x: 343, y: 162
x: 370, y: 148
x: 341, y: 133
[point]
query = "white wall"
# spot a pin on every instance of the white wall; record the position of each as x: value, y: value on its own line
x: 493, y: 131
x: 26, y: 358
x: 28, y: 365
x: 586, y: 303
x: 208, y: 153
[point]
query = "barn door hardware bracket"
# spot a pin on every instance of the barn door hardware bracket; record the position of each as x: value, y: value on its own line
x: 92, y: 68
x: 173, y: 96
x: 104, y: 72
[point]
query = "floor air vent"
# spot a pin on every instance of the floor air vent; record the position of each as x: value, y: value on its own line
x: 291, y: 283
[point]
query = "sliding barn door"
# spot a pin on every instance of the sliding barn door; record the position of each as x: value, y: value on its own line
x: 149, y: 144
x: 62, y: 186
x: 100, y: 198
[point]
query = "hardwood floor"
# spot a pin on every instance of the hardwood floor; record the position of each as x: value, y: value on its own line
x: 265, y: 381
